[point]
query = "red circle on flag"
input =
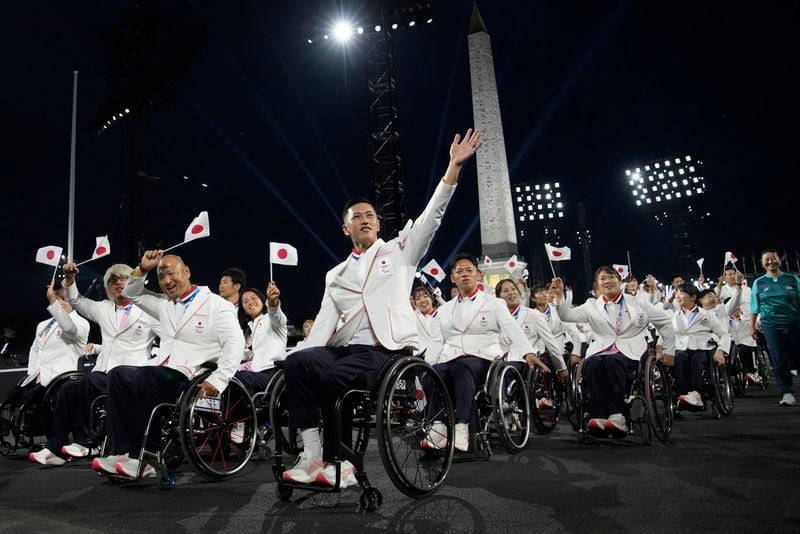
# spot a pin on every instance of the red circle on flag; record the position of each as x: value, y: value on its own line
x: 51, y: 254
x: 557, y: 253
x: 512, y: 264
x: 434, y: 271
x: 100, y: 250
x: 197, y: 228
x: 383, y: 262
x: 420, y: 395
x: 283, y: 253
x: 620, y: 269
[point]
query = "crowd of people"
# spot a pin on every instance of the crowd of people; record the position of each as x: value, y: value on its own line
x: 371, y: 311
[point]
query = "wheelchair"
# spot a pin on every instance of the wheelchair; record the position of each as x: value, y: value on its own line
x: 649, y: 401
x: 21, y: 425
x: 762, y: 360
x: 502, y: 410
x: 400, y: 411
x: 718, y: 388
x: 548, y: 397
x: 215, y: 435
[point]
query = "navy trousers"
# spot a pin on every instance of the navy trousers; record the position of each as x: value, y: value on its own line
x: 689, y: 367
x: 72, y: 415
x: 462, y: 376
x: 318, y: 376
x: 604, y: 380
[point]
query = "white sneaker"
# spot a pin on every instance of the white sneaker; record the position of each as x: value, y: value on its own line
x: 305, y: 469
x: 692, y: 398
x: 327, y: 475
x: 545, y: 404
x: 436, y: 438
x: 787, y: 400
x: 130, y: 468
x: 76, y: 450
x: 462, y: 437
x: 616, y: 423
x: 237, y: 433
x: 46, y: 457
x: 106, y: 465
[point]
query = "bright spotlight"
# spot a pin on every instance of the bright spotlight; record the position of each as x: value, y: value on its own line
x: 412, y: 24
x: 309, y: 41
x: 394, y: 26
x: 377, y: 27
x: 342, y: 31
x: 429, y: 21
x: 127, y: 110
x: 360, y: 30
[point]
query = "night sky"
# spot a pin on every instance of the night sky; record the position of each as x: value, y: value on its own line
x: 277, y: 130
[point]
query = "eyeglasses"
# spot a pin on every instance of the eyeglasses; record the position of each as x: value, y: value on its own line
x: 113, y: 279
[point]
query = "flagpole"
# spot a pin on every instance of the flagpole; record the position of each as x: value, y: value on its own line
x: 551, y: 266
x: 87, y: 261
x: 630, y: 267
x: 71, y: 223
x: 53, y: 278
x: 173, y: 247
x: 270, y: 272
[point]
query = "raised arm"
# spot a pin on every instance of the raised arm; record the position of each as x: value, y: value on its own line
x: 565, y: 311
x: 416, y: 239
x: 86, y: 307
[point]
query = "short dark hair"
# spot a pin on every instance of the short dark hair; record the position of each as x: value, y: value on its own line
x: 499, y: 287
x: 237, y: 276
x: 356, y: 200
x: 463, y: 256
x: 607, y: 270
x: 630, y: 278
x: 704, y: 292
x: 729, y: 267
x: 689, y: 289
x: 539, y: 289
x: 770, y: 250
x: 674, y: 276
x: 420, y: 289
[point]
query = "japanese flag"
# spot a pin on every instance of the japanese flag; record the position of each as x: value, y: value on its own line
x: 730, y: 258
x: 282, y: 254
x: 101, y: 248
x: 622, y: 270
x: 49, y: 255
x: 487, y: 260
x: 700, y: 263
x: 198, y: 228
x: 512, y: 264
x: 434, y: 269
x: 558, y: 253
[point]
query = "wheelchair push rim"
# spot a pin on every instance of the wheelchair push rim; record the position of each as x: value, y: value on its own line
x: 544, y: 386
x: 511, y: 409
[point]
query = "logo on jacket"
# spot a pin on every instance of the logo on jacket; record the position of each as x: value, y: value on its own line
x: 199, y: 328
x: 139, y: 330
x: 384, y: 267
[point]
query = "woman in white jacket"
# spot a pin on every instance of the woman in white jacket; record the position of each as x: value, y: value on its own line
x: 265, y: 332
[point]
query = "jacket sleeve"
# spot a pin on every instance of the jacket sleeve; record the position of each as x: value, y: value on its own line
x: 231, y: 339
x: 520, y: 346
x: 554, y: 347
x: 436, y: 343
x: 324, y: 322
x: 277, y: 320
x: 86, y: 307
x: 663, y: 322
x: 69, y: 328
x: 147, y: 300
x: 573, y: 315
x: 415, y: 240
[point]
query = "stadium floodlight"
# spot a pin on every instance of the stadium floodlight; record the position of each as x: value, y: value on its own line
x: 672, y: 179
x: 545, y: 204
x: 342, y: 31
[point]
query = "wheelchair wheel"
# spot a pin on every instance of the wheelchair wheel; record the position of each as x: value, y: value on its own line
x: 658, y: 398
x: 546, y: 397
x: 736, y: 372
x: 218, y: 434
x: 35, y: 417
x: 723, y: 390
x: 411, y: 398
x: 762, y: 366
x: 579, y: 403
x: 279, y: 419
x: 511, y: 408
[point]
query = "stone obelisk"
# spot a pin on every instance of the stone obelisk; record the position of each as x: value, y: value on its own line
x: 498, y: 232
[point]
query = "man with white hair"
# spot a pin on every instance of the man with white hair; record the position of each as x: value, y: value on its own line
x: 127, y: 338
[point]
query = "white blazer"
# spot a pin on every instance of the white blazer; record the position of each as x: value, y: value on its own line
x: 563, y: 331
x: 58, y: 344
x: 208, y: 331
x: 630, y: 341
x: 128, y: 344
x: 479, y: 334
x: 534, y: 326
x: 694, y: 331
x: 424, y: 329
x: 267, y: 340
x: 383, y: 295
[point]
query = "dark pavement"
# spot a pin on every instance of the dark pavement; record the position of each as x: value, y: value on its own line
x: 733, y: 475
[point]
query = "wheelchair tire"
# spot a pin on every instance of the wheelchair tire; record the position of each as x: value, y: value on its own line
x: 544, y: 386
x: 736, y: 372
x: 279, y: 419
x: 578, y: 403
x: 658, y: 398
x: 407, y: 397
x: 218, y: 435
x: 762, y: 366
x: 511, y: 408
x: 723, y: 390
